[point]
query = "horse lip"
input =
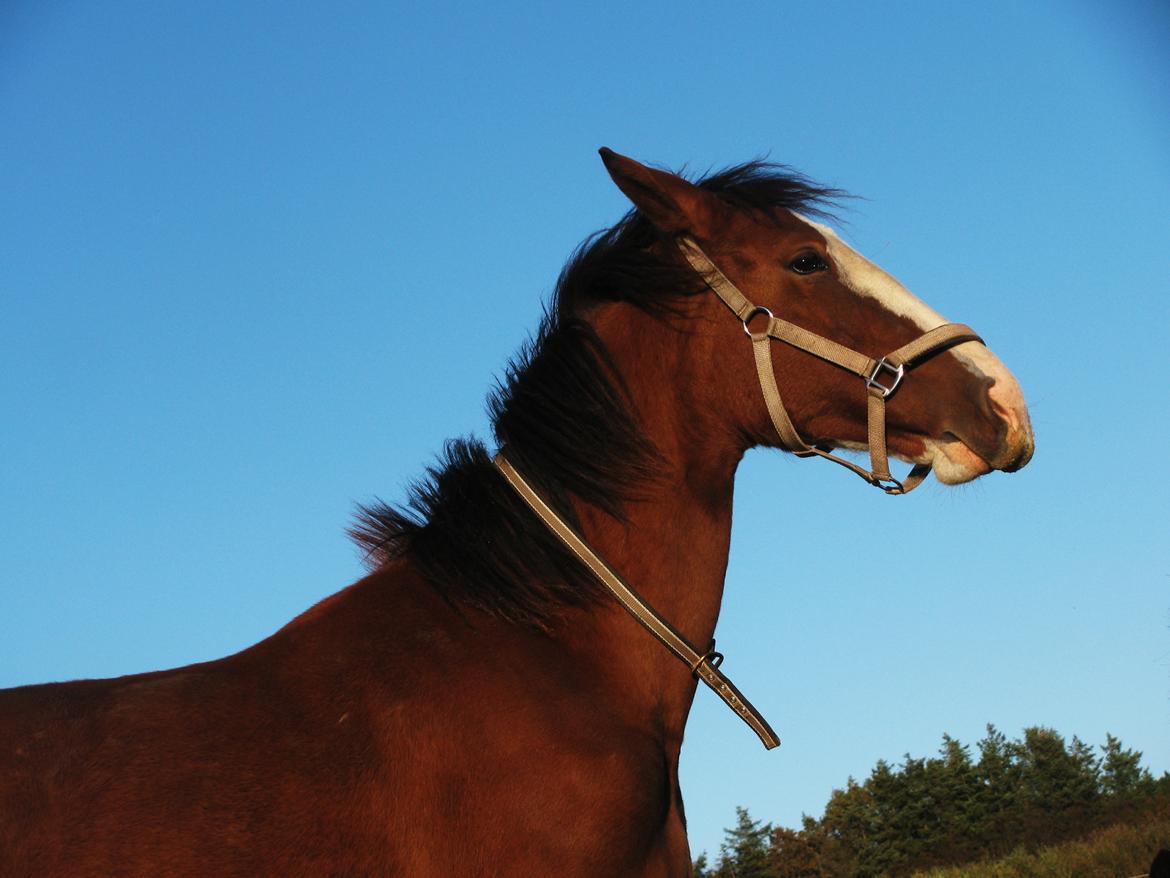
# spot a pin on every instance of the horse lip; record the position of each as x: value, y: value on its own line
x: 949, y: 439
x: 953, y: 460
x: 1014, y: 454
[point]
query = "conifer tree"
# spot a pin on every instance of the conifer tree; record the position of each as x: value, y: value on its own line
x: 951, y: 809
x: 1121, y: 770
x: 744, y: 853
x: 1055, y: 778
x: 794, y: 854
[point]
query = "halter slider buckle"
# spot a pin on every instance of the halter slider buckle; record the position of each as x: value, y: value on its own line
x: 885, y: 391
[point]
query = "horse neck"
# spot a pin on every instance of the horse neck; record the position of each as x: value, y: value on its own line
x: 673, y: 548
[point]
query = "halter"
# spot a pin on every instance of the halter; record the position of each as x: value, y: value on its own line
x: 882, y: 378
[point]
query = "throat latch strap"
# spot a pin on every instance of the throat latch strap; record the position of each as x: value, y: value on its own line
x: 703, y: 665
x: 882, y: 376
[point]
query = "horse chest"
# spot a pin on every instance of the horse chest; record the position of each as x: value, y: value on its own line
x: 555, y: 809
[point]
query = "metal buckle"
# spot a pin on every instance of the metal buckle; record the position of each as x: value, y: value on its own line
x: 888, y: 484
x: 751, y: 315
x: 885, y: 390
x: 711, y: 658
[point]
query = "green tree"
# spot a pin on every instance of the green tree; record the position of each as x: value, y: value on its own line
x: 997, y: 780
x: 951, y: 809
x: 1054, y: 777
x: 848, y: 827
x: 744, y: 853
x: 796, y: 854
x: 1122, y: 774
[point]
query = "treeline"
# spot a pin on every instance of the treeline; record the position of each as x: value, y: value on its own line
x: 951, y: 809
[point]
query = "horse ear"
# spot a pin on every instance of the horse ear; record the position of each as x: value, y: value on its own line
x: 670, y: 202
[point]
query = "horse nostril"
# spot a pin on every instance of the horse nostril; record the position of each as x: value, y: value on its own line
x: 1018, y: 443
x: 1008, y: 402
x: 987, y: 403
x: 1022, y: 455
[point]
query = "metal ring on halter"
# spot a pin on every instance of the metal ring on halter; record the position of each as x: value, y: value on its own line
x: 758, y: 309
x: 888, y: 484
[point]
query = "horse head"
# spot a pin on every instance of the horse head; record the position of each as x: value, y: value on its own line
x: 957, y: 408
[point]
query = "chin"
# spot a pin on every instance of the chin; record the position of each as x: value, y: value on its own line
x: 954, y: 463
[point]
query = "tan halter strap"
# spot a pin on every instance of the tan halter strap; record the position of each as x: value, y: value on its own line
x: 703, y: 665
x: 882, y: 376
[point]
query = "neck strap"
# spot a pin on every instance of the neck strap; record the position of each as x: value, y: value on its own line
x: 882, y: 376
x: 703, y: 665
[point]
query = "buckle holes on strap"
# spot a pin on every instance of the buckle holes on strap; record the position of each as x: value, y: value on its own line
x: 752, y: 315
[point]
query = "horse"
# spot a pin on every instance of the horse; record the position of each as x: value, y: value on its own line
x: 482, y: 703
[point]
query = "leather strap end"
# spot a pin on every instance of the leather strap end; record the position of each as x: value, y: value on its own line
x: 734, y: 699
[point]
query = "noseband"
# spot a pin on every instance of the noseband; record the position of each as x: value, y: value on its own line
x: 882, y: 378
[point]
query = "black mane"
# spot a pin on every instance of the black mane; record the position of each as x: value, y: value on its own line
x: 561, y: 412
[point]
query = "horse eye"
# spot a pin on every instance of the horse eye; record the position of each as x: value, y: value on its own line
x: 808, y: 263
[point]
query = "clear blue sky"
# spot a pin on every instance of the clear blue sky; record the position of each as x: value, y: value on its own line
x: 217, y: 221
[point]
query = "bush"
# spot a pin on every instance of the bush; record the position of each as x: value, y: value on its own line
x: 1115, y: 852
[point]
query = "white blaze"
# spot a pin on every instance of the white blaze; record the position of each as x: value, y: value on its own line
x: 867, y: 279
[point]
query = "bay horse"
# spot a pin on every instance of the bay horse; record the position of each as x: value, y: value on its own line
x: 480, y: 704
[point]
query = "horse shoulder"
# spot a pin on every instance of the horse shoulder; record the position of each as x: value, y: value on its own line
x: 511, y: 749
